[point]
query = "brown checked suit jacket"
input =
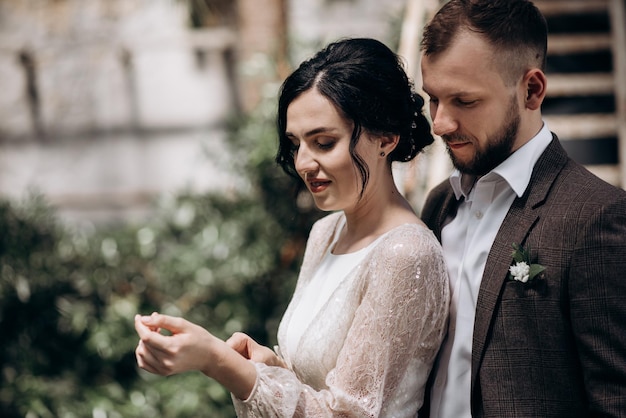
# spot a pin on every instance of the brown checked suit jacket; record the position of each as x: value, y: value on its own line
x: 555, y: 346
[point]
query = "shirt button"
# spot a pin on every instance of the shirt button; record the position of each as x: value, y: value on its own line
x: 478, y: 214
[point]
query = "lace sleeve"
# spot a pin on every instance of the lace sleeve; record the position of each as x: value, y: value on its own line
x: 386, y: 355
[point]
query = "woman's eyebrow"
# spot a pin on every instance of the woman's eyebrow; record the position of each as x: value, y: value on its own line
x: 312, y: 132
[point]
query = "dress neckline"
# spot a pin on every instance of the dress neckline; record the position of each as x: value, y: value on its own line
x: 342, y: 223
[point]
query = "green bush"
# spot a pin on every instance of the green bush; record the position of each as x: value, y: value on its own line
x: 68, y: 295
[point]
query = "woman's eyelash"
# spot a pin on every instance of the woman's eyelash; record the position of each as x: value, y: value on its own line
x: 320, y: 145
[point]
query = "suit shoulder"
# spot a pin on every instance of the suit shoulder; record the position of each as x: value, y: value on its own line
x: 434, y: 201
x: 441, y: 189
x: 577, y: 180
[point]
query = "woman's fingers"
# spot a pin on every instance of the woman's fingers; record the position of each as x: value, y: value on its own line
x: 148, y: 328
x: 254, y: 351
x: 172, y: 324
x: 155, y: 361
x: 189, y: 347
x: 145, y: 359
x: 239, y: 342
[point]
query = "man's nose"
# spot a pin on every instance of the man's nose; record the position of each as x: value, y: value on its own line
x: 443, y: 122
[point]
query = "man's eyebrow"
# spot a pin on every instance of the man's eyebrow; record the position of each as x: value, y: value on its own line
x: 459, y: 93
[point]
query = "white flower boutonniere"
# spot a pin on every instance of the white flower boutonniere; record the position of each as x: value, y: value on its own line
x: 523, y: 271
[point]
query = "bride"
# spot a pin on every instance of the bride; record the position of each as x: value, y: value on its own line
x: 368, y: 314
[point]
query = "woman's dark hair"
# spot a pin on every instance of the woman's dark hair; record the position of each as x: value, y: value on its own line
x: 367, y: 83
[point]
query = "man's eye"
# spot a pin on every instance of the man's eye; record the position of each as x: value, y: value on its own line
x: 467, y: 102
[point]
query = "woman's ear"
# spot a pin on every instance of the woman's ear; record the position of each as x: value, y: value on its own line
x: 388, y: 143
x: 535, y: 84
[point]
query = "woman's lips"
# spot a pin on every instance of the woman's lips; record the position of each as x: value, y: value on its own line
x: 317, y: 185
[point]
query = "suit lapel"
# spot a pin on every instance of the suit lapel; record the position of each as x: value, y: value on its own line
x: 440, y: 204
x: 450, y: 205
x: 523, y: 214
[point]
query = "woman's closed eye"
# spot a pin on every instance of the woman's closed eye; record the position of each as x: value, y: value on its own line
x: 325, y: 145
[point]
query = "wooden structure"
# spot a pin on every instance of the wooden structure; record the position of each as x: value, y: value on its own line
x: 586, y: 99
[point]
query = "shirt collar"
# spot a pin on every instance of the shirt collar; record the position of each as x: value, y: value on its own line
x: 513, y: 170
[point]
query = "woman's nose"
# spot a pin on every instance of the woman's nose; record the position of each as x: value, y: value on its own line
x: 305, y: 161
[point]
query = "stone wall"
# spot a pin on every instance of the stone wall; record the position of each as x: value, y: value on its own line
x: 107, y: 104
x: 90, y: 66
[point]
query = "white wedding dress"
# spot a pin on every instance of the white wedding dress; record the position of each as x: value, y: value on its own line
x: 368, y: 345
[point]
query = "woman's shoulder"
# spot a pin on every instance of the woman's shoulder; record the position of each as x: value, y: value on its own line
x: 327, y: 224
x: 411, y: 236
x: 410, y: 245
x: 408, y: 257
x: 322, y: 233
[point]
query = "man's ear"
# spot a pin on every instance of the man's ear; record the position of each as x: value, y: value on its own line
x: 535, y: 84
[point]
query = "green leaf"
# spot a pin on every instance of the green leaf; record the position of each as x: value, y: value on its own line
x: 518, y: 253
x: 535, y: 269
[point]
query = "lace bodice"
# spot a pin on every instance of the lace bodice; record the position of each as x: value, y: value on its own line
x: 370, y: 348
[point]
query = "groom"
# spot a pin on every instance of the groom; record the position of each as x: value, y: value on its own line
x: 542, y: 332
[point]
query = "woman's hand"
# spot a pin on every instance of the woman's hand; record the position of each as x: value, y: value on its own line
x: 252, y: 350
x: 187, y: 348
x: 191, y: 347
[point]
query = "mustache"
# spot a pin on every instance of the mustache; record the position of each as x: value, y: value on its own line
x: 455, y: 138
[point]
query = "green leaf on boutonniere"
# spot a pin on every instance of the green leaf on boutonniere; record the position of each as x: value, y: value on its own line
x: 523, y: 271
x: 535, y: 269
x: 519, y: 254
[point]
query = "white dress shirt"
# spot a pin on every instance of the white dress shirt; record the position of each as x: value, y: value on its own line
x: 466, y: 241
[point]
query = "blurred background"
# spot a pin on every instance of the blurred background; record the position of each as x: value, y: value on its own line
x: 136, y: 174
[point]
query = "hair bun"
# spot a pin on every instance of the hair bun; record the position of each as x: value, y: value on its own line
x: 419, y: 102
x: 418, y: 136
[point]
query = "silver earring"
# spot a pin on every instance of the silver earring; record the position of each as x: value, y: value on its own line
x: 382, y: 153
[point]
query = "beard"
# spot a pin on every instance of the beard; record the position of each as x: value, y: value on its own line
x: 497, y: 148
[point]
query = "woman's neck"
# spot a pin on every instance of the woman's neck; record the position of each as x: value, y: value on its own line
x: 374, y: 216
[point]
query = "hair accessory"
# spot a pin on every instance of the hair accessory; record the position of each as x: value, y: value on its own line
x: 382, y: 153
